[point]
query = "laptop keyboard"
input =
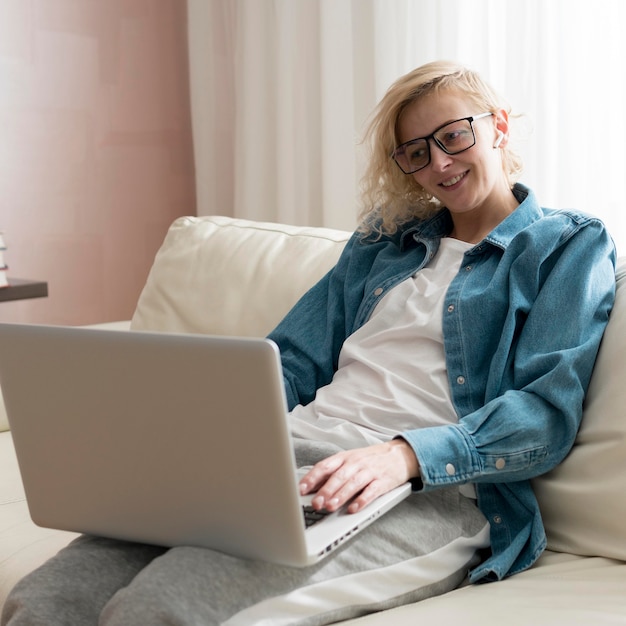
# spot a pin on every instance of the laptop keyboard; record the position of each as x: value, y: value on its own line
x: 311, y: 516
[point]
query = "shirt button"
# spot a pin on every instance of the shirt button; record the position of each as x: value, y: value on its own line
x: 460, y: 380
x: 451, y: 308
x: 497, y: 519
x: 378, y: 291
x: 500, y: 463
x: 468, y: 268
x: 450, y: 469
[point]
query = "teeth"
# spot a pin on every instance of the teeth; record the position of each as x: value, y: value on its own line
x: 452, y: 181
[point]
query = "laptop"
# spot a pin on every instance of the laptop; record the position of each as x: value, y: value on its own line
x: 168, y: 439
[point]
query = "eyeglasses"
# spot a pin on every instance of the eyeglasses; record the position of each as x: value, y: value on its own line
x: 452, y: 138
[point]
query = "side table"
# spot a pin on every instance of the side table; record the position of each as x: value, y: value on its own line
x: 20, y: 289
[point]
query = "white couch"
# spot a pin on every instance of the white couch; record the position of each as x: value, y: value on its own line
x: 223, y: 276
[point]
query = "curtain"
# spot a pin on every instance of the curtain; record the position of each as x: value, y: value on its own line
x: 282, y: 90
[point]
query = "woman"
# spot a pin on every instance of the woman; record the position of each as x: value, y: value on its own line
x: 451, y: 345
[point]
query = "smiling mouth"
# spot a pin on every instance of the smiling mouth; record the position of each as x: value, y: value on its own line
x: 453, y: 181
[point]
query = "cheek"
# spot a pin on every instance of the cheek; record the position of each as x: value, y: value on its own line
x: 422, y: 180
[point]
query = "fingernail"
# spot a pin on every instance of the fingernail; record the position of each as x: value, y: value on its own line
x: 318, y: 502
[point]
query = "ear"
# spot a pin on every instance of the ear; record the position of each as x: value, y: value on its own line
x: 501, y: 122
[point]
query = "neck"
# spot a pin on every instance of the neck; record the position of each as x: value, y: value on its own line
x: 471, y: 233
x: 474, y: 226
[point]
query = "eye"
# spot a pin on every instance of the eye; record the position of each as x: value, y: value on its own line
x: 416, y: 153
x: 455, y: 136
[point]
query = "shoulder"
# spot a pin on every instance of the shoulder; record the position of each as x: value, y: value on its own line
x: 548, y: 226
x: 539, y: 237
x: 569, y: 242
x: 570, y: 216
x: 564, y: 224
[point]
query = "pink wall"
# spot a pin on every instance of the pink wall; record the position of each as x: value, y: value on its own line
x: 95, y: 149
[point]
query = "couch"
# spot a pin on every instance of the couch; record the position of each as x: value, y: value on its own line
x: 227, y: 276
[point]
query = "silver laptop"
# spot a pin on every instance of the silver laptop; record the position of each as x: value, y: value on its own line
x: 161, y: 438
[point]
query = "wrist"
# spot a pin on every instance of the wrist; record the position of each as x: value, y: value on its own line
x: 409, y: 457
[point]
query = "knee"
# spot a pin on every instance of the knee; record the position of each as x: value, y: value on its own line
x: 23, y: 608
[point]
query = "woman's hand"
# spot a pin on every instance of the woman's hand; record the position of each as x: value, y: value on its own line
x: 362, y: 474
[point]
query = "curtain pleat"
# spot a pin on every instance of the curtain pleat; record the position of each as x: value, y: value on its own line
x: 282, y: 90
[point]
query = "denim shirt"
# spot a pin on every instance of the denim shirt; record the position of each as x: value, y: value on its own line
x: 522, y: 323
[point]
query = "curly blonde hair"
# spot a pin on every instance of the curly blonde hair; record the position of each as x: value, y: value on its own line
x: 390, y: 197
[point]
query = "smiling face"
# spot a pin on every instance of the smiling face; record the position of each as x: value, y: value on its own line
x: 470, y: 181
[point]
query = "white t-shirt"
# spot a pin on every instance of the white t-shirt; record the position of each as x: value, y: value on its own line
x: 392, y: 372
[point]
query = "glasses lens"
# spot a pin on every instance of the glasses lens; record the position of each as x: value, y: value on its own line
x: 455, y: 137
x: 451, y: 138
x: 412, y: 156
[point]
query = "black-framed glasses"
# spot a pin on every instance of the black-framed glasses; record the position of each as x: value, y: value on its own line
x: 451, y: 137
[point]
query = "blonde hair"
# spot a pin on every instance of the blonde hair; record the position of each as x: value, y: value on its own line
x: 390, y: 197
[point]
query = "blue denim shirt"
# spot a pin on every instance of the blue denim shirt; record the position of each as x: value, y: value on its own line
x: 522, y: 324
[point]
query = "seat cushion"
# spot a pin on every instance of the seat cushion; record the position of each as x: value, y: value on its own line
x: 560, y: 590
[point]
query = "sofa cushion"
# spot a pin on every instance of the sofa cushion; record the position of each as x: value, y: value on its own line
x: 560, y: 590
x: 225, y: 276
x: 582, y: 500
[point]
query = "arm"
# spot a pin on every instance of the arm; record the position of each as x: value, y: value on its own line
x: 312, y: 333
x: 530, y: 422
x: 537, y: 380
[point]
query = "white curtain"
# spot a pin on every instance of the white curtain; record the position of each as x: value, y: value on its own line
x: 281, y: 90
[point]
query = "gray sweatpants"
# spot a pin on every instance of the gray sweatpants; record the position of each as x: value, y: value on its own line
x: 421, y: 548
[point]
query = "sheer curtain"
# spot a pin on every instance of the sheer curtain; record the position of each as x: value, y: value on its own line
x: 282, y: 89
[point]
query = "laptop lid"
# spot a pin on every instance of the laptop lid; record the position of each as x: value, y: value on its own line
x: 160, y: 438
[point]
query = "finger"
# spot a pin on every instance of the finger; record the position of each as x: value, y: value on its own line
x: 342, y: 487
x: 367, y: 496
x: 319, y: 474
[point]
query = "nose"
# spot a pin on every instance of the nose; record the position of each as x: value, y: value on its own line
x: 439, y: 159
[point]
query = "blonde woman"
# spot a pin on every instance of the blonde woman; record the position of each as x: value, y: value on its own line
x: 451, y: 346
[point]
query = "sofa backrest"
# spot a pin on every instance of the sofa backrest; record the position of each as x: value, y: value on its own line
x: 224, y: 276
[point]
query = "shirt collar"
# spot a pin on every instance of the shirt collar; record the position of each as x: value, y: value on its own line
x: 525, y: 214
x: 440, y: 224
